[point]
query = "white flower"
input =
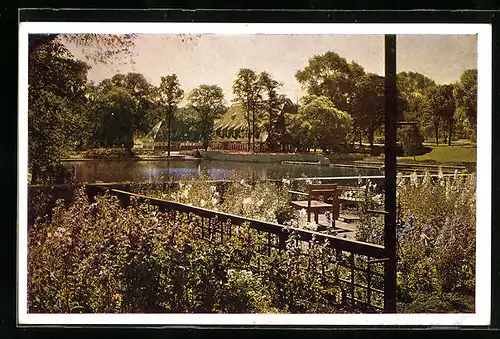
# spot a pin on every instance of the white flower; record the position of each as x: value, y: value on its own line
x: 247, y: 201
x: 181, y: 185
x: 185, y: 194
x: 214, y: 201
x: 213, y: 189
x: 455, y: 174
x: 414, y: 179
x: 285, y: 181
x: 230, y: 272
x: 242, y: 182
x: 312, y: 226
x: 172, y: 196
x: 216, y: 194
x: 360, y: 181
x: 303, y: 212
x: 440, y: 174
x: 202, y: 203
x: 378, y: 198
x: 309, y: 181
x: 260, y: 202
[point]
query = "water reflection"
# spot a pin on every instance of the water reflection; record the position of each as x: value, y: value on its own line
x: 166, y: 170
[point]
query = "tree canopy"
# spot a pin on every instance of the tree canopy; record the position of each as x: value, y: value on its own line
x: 332, y: 76
x: 319, y: 124
x: 208, y: 102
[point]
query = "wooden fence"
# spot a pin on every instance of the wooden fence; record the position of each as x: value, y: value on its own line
x: 360, y: 264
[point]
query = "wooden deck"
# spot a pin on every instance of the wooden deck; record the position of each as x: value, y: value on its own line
x: 344, y: 229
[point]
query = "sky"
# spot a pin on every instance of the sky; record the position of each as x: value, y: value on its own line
x: 215, y: 59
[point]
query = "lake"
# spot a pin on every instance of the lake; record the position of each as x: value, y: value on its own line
x: 166, y: 170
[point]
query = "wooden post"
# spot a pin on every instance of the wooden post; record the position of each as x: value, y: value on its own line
x: 390, y: 174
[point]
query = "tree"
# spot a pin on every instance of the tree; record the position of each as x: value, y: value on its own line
x: 56, y: 95
x: 247, y: 90
x: 113, y: 109
x: 465, y: 93
x: 271, y: 105
x: 412, y: 87
x: 57, y: 86
x: 411, y: 139
x: 440, y: 106
x: 145, y: 94
x: 319, y: 124
x: 170, y: 94
x: 208, y: 102
x: 368, y: 105
x: 332, y: 76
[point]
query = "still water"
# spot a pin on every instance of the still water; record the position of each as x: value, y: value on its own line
x: 166, y: 170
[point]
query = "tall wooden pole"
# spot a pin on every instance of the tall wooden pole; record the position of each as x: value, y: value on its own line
x: 169, y: 122
x: 390, y: 174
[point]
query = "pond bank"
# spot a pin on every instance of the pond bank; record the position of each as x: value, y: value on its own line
x: 265, y: 157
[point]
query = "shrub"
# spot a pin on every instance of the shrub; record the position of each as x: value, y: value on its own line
x: 102, y: 258
x: 436, y: 239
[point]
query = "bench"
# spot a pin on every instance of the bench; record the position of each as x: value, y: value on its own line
x: 318, y: 199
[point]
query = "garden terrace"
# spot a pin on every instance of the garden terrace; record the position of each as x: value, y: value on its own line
x: 360, y: 276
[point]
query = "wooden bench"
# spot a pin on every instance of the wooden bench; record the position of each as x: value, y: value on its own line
x: 321, y: 198
x: 318, y: 199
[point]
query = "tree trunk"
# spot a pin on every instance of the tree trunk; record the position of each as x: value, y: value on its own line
x: 450, y: 130
x: 253, y: 130
x: 436, y: 132
x: 169, y: 128
x: 371, y: 136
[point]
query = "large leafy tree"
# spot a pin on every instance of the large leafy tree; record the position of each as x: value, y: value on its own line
x: 412, y: 87
x: 146, y: 96
x: 272, y: 103
x: 170, y: 95
x: 440, y: 107
x: 56, y: 94
x: 112, y: 112
x: 332, y: 76
x: 208, y: 102
x: 318, y: 124
x: 368, y: 105
x: 465, y: 93
x: 248, y: 90
x: 57, y: 86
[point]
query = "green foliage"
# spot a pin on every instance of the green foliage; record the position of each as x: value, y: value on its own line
x: 440, y: 107
x: 272, y: 110
x: 369, y: 105
x: 56, y: 88
x: 411, y: 139
x: 465, y: 92
x: 332, y: 76
x: 436, y: 242
x: 319, y: 124
x: 248, y: 90
x: 208, y: 103
x: 170, y: 94
x: 137, y: 260
x: 112, y: 113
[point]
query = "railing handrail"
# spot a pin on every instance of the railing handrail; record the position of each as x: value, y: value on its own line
x: 362, y: 248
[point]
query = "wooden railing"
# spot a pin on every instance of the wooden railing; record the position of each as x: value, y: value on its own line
x: 360, y: 271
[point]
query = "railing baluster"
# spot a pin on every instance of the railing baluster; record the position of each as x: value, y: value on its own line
x: 368, y: 282
x: 352, y: 278
x: 337, y: 247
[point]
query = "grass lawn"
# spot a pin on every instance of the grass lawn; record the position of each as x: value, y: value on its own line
x: 446, y: 154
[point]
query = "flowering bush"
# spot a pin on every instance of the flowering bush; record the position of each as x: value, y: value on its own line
x: 436, y: 241
x: 264, y: 201
x: 102, y: 258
